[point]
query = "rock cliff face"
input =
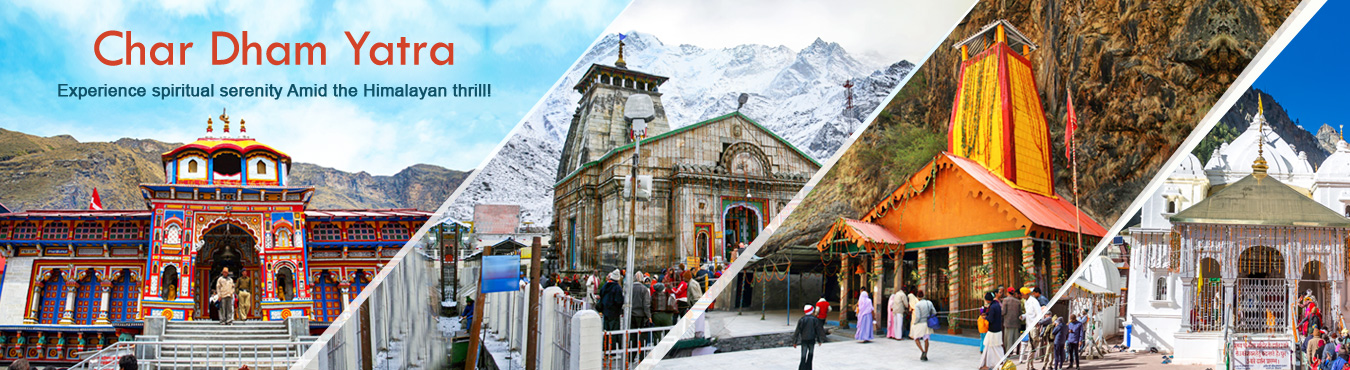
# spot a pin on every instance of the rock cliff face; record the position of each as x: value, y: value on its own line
x: 1142, y: 73
x: 1239, y: 118
x: 1327, y: 137
x: 60, y: 172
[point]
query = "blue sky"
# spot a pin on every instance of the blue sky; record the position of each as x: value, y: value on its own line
x: 520, y: 47
x: 1309, y: 78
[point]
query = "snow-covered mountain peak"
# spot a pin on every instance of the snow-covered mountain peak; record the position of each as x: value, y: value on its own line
x: 796, y: 93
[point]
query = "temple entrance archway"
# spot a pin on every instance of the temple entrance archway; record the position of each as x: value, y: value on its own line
x: 740, y: 224
x: 1314, y: 281
x: 226, y: 245
x: 1262, y: 299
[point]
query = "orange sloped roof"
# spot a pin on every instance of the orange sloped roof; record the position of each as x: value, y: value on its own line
x: 1051, y: 212
x: 211, y: 145
x: 872, y: 232
x: 861, y: 233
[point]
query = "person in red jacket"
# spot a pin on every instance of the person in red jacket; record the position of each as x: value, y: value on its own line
x: 822, y: 311
x: 681, y: 290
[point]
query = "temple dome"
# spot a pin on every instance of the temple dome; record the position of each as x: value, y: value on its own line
x: 211, y: 145
x: 1337, y: 165
x: 1233, y: 161
x: 1190, y: 167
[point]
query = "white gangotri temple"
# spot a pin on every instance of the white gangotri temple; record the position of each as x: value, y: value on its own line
x: 1224, y: 251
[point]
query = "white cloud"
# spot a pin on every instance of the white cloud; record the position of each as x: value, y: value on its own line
x: 887, y: 27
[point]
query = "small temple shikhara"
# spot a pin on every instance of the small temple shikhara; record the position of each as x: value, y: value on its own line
x: 78, y: 280
x: 981, y: 214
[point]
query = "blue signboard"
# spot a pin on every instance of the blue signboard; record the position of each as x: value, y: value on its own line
x: 500, y: 274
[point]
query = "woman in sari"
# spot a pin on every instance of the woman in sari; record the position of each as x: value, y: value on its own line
x: 865, y: 320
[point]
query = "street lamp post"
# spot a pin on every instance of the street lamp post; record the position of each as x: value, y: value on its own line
x: 638, y: 109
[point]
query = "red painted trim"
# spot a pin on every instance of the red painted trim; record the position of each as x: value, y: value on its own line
x: 1005, y: 92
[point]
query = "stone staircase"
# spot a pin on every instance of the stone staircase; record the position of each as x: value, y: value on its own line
x: 210, y: 345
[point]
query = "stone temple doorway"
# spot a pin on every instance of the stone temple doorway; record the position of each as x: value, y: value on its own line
x: 225, y: 245
x: 740, y: 224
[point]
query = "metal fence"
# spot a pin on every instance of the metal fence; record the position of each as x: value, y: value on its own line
x: 564, y: 308
x: 639, y: 343
x: 391, y: 324
x: 1263, y: 306
x: 196, y: 355
x: 1209, y: 309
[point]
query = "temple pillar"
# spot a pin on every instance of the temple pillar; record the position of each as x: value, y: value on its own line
x: 843, y: 291
x: 1291, y: 314
x: 953, y: 280
x: 1187, y: 300
x: 1056, y: 267
x: 34, y: 302
x: 347, y: 295
x: 878, y: 279
x: 68, y: 315
x: 987, y: 257
x: 922, y: 270
x: 105, y: 287
x: 899, y: 271
x: 1229, y: 285
x: 1336, y: 301
x: 1029, y: 262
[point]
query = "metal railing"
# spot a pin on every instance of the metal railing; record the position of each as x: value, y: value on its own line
x: 564, y: 308
x: 392, y: 321
x: 1207, y: 313
x: 196, y: 355
x: 640, y: 343
x: 1263, y: 306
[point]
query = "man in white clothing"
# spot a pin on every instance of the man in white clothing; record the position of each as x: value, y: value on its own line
x: 1032, y: 309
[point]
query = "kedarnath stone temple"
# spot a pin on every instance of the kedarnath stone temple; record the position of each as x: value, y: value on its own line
x: 79, y: 280
x: 715, y: 183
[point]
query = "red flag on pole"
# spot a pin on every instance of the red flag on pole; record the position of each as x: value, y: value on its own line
x: 95, y: 203
x: 1070, y: 125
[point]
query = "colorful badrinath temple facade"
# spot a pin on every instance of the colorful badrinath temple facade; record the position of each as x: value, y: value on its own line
x: 981, y: 214
x: 79, y: 280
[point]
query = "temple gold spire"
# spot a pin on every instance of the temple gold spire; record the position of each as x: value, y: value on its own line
x: 208, y: 125
x: 226, y: 121
x: 1259, y: 166
x: 620, y: 63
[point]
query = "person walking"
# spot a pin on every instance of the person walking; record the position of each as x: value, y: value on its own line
x: 866, y: 323
x: 993, y: 342
x: 611, y: 301
x: 808, y: 335
x: 1061, y: 335
x: 919, y: 329
x: 225, y: 292
x: 1031, y: 315
x: 1012, y: 319
x: 1075, y: 339
x: 895, y: 315
x: 821, y: 312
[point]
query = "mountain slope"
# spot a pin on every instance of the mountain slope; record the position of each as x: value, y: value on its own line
x: 795, y: 93
x: 60, y: 172
x: 1142, y: 73
x: 1238, y: 118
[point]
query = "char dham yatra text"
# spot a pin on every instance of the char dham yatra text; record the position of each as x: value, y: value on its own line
x: 275, y: 91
